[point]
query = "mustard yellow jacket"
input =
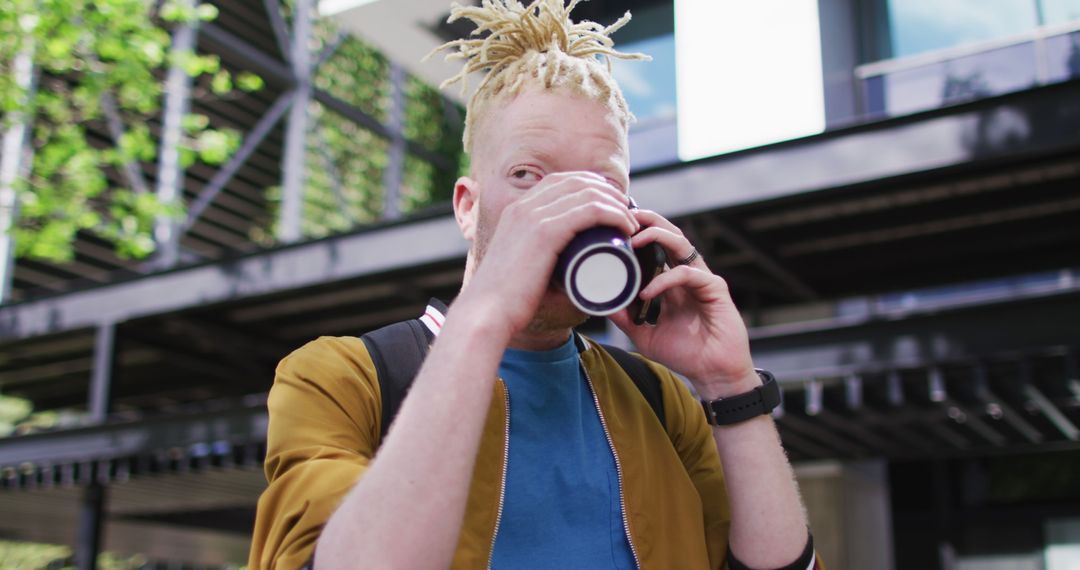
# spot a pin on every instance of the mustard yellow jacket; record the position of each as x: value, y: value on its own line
x: 324, y: 430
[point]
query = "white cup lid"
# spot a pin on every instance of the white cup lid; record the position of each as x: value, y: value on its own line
x: 601, y: 277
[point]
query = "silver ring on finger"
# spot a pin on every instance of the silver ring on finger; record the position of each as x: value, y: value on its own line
x: 689, y: 258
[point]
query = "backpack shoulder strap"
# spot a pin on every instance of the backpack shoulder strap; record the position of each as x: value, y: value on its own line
x: 644, y: 378
x: 397, y: 351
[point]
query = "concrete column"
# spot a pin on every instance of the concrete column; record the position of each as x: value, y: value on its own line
x: 850, y: 513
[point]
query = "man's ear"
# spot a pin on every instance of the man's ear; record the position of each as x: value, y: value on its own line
x: 466, y: 206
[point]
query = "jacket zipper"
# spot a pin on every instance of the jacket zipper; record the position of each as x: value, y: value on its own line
x: 502, y: 484
x: 618, y: 468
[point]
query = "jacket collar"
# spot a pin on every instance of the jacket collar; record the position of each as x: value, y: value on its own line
x: 435, y: 315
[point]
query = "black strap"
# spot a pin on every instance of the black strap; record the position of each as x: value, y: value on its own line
x: 405, y: 344
x: 644, y: 378
x: 806, y: 561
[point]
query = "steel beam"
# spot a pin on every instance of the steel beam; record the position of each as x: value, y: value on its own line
x: 170, y: 171
x: 329, y: 50
x: 367, y: 122
x: 890, y: 148
x: 1052, y: 413
x: 331, y: 170
x: 853, y: 429
x: 226, y: 173
x: 1005, y: 412
x: 393, y: 176
x: 249, y: 57
x: 963, y: 330
x: 115, y: 124
x: 368, y: 252
x: 973, y: 420
x: 14, y: 162
x: 1072, y: 374
x: 101, y: 378
x: 811, y: 430
x: 91, y: 519
x: 294, y: 167
x: 52, y: 450
x: 277, y: 23
x: 245, y: 55
x: 799, y: 289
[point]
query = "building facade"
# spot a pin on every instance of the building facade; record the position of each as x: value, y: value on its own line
x: 889, y: 186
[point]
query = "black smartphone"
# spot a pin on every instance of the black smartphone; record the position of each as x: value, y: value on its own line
x: 651, y: 259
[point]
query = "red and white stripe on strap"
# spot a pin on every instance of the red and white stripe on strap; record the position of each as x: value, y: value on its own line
x: 433, y: 319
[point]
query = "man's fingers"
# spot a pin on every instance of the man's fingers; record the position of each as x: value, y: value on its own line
x: 704, y: 286
x: 607, y: 210
x: 676, y: 246
x: 555, y: 186
x: 652, y: 219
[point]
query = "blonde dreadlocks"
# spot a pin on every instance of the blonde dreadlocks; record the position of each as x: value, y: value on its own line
x: 538, y: 43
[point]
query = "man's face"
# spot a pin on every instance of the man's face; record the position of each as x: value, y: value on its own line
x: 537, y: 133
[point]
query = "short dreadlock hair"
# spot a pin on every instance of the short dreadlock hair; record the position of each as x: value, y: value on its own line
x: 538, y: 44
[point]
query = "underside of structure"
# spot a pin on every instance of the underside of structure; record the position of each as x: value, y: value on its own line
x: 912, y: 282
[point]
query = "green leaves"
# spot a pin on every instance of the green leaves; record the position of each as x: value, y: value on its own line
x: 84, y: 51
x: 215, y: 146
x: 173, y: 11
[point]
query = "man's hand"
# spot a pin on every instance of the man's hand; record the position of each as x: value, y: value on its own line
x: 515, y: 271
x: 700, y: 333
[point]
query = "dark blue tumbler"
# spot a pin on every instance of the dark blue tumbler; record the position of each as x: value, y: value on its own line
x: 599, y: 271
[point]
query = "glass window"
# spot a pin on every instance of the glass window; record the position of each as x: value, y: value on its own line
x: 1060, y: 11
x: 984, y: 74
x: 1063, y: 57
x: 919, y: 26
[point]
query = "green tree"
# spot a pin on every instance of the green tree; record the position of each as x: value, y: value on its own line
x: 90, y: 57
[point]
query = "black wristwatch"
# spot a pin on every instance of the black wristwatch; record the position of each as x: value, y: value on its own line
x: 756, y: 402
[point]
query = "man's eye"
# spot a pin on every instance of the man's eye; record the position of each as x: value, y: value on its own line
x: 527, y: 174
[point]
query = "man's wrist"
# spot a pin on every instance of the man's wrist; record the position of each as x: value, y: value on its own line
x: 713, y: 390
x: 477, y: 319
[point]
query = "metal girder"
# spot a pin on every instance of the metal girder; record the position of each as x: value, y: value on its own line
x: 997, y: 407
x: 247, y: 56
x: 927, y: 141
x: 294, y: 166
x: 330, y: 49
x: 170, y: 170
x: 878, y: 341
x: 394, y: 174
x: 277, y: 23
x: 367, y: 252
x: 52, y: 450
x: 798, y: 287
x: 101, y: 378
x: 1044, y: 405
x: 281, y: 74
x: 91, y: 519
x: 226, y: 173
x: 14, y: 161
x: 367, y: 122
x: 115, y: 124
x: 331, y: 169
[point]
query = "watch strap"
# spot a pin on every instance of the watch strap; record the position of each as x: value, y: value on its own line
x: 759, y: 401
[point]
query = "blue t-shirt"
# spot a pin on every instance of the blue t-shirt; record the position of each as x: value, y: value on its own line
x: 562, y: 507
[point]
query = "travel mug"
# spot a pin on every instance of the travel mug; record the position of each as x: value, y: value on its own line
x: 599, y: 271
